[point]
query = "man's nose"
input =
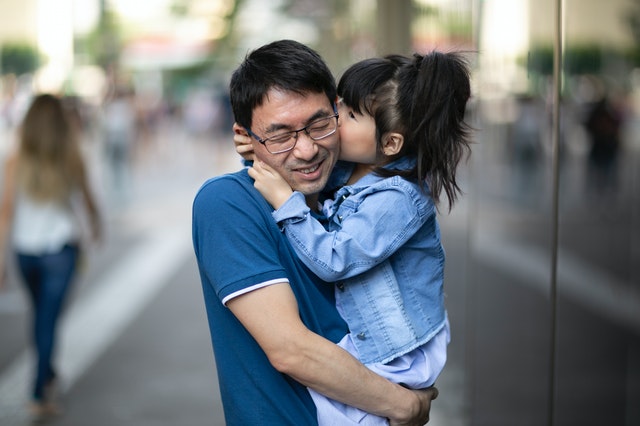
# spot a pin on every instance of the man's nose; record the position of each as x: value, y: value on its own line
x: 306, y: 148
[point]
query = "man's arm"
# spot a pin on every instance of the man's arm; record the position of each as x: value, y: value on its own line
x: 270, y: 314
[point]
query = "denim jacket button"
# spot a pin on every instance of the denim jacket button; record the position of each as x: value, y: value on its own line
x: 340, y: 286
x: 339, y: 218
x: 361, y: 336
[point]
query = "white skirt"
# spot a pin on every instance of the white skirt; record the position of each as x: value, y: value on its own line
x: 417, y: 369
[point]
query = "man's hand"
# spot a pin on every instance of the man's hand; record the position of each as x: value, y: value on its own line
x: 421, y: 417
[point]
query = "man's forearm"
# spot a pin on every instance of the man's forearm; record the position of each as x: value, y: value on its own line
x: 333, y: 372
x: 271, y: 315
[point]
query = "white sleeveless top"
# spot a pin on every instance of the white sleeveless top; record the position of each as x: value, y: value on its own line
x: 43, y: 227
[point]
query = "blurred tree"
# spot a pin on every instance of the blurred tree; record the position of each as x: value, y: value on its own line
x: 586, y: 59
x: 225, y: 14
x: 539, y: 60
x: 180, y: 7
x: 221, y: 58
x: 18, y: 58
x: 632, y: 18
x: 103, y: 45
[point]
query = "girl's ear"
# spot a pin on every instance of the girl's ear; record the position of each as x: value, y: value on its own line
x: 392, y: 143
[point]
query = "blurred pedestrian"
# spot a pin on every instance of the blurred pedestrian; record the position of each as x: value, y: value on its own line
x: 39, y: 223
x: 119, y: 128
x: 603, y: 124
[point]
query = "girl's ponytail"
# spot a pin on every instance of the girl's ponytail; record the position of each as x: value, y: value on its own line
x: 433, y: 93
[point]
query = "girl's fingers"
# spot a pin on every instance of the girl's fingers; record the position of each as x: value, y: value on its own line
x: 242, y: 149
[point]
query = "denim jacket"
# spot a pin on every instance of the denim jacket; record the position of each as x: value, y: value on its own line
x: 382, y: 248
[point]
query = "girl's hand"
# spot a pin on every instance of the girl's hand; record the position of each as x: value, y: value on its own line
x: 242, y: 141
x: 271, y: 185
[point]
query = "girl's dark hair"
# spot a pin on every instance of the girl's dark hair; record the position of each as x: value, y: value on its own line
x: 423, y: 98
x: 284, y: 64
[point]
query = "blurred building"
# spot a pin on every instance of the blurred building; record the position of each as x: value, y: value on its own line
x: 550, y: 278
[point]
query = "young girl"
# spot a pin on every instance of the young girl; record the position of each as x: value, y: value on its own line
x: 402, y: 128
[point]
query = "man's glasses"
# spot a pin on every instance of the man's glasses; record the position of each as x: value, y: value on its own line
x: 286, y: 141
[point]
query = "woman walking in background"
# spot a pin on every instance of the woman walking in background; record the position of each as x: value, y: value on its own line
x: 38, y: 222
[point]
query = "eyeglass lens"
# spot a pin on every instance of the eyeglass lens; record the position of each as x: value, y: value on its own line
x: 317, y: 130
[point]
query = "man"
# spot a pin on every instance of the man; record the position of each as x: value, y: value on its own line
x: 274, y: 324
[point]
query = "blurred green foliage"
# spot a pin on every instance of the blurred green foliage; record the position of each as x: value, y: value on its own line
x: 18, y: 58
x: 104, y: 44
x: 579, y: 59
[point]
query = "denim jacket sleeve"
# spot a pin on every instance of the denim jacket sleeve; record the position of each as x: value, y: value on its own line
x: 366, y: 228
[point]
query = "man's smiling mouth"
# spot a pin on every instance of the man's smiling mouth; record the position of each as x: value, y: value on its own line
x: 309, y: 170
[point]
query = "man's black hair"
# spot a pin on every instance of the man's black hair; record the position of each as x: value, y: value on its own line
x: 286, y: 65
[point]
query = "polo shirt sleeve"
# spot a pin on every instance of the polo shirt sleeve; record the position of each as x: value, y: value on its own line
x: 235, y: 239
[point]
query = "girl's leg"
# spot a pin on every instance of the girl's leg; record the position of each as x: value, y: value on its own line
x: 416, y: 369
x: 331, y: 412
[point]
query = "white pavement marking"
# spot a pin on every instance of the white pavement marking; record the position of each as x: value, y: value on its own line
x: 94, y: 321
x: 13, y: 301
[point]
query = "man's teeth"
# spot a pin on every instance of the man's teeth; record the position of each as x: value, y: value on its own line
x: 311, y: 170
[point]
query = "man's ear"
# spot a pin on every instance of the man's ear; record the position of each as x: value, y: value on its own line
x: 392, y: 143
x: 239, y: 130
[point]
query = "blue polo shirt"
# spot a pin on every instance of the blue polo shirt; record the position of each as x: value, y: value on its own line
x: 239, y: 246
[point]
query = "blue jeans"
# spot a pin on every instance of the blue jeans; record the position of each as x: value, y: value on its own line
x: 47, y: 278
